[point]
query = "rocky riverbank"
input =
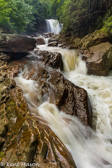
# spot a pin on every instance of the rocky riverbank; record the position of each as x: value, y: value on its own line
x: 25, y: 138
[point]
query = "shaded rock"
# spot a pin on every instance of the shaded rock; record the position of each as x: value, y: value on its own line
x: 52, y: 59
x: 2, y: 140
x: 53, y: 44
x: 99, y: 59
x: 12, y: 43
x: 4, y: 57
x: 40, y: 41
x: 67, y: 96
x: 94, y: 38
x: 3, y: 60
x: 75, y: 44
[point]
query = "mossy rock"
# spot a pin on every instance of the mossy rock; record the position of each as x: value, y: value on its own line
x: 1, y: 155
x: 94, y: 38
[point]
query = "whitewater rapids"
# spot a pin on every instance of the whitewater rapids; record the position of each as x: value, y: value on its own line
x: 90, y: 149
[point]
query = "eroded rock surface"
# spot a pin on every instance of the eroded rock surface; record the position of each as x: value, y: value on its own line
x: 25, y: 138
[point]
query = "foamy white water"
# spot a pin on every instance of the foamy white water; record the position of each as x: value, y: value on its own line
x: 53, y: 26
x: 90, y: 149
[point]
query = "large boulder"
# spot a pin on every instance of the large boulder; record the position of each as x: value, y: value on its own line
x: 13, y: 43
x: 68, y: 97
x: 99, y: 59
x: 94, y: 38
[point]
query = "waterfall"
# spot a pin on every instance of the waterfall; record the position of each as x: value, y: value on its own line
x: 53, y: 26
x: 90, y: 149
x: 71, y: 59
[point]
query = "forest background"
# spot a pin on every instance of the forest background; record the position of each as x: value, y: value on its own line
x: 79, y: 17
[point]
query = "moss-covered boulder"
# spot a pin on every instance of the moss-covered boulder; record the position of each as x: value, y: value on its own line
x: 94, y: 38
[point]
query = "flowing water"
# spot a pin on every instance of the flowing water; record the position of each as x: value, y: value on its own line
x: 53, y: 26
x: 90, y: 149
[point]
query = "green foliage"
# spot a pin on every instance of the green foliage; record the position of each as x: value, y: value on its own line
x: 14, y: 15
x: 22, y: 15
x: 107, y: 24
x: 79, y: 17
x: 5, y: 10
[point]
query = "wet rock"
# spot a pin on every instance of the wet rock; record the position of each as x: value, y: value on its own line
x: 13, y: 43
x: 99, y: 59
x: 54, y: 38
x: 24, y: 138
x: 40, y: 41
x: 29, y: 139
x: 67, y: 96
x: 47, y: 35
x: 62, y: 45
x: 94, y: 38
x: 53, y: 44
x: 52, y: 59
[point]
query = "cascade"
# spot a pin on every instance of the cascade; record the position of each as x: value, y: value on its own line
x: 71, y: 59
x: 90, y: 149
x: 53, y: 26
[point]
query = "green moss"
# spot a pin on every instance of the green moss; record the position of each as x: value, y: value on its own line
x: 1, y: 155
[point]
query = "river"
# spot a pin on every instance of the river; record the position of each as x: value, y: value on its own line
x: 89, y: 148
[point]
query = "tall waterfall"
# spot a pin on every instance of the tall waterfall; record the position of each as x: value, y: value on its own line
x: 53, y: 26
x: 90, y: 149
